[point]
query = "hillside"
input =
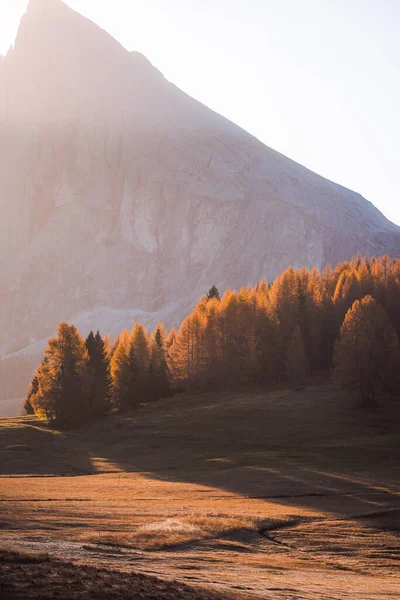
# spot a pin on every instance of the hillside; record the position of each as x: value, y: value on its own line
x: 117, y: 190
x: 277, y: 494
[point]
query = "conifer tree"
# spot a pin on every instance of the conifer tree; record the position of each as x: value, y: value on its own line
x: 62, y: 395
x: 367, y: 355
x: 107, y: 346
x: 32, y: 391
x: 213, y: 293
x: 211, y: 345
x: 285, y: 311
x: 140, y: 343
x: 260, y: 334
x: 114, y: 346
x: 158, y: 377
x: 186, y: 352
x: 125, y: 374
x: 229, y: 340
x: 100, y: 375
x: 169, y: 339
x: 266, y: 356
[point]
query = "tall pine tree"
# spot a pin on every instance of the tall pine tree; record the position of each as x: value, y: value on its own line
x: 159, y: 385
x: 62, y: 397
x: 99, y: 373
x: 141, y: 346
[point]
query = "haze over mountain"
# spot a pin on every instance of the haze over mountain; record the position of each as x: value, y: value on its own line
x: 123, y: 198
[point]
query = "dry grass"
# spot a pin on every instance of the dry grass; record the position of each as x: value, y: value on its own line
x: 37, y: 577
x: 174, y: 531
x: 280, y: 495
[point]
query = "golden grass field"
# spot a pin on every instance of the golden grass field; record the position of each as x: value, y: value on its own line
x: 277, y: 494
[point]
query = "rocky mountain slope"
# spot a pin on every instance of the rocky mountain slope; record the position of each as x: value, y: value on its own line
x: 122, y: 197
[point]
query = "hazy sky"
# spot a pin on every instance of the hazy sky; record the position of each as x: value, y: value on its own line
x: 318, y: 80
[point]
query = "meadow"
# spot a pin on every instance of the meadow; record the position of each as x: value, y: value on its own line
x: 286, y: 493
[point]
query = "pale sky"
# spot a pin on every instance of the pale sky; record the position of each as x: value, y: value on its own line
x: 318, y: 80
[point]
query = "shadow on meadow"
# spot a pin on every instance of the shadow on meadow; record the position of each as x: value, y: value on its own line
x: 308, y: 448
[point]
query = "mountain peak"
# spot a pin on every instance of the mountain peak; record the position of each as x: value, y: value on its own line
x: 51, y: 24
x: 62, y: 64
x: 43, y: 4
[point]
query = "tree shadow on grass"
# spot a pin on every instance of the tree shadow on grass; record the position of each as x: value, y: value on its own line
x: 29, y: 448
x: 312, y: 448
x: 309, y: 449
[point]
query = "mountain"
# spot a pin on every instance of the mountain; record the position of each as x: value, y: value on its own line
x: 123, y: 198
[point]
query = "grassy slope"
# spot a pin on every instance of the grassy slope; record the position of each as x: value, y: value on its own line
x: 269, y: 492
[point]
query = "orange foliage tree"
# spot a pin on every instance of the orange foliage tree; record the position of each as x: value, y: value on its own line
x: 367, y: 353
x: 273, y: 332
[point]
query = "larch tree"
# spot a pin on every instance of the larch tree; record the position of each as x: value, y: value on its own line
x: 32, y: 391
x: 107, y: 346
x: 296, y: 362
x: 266, y: 355
x: 114, y: 346
x: 186, y: 351
x: 169, y: 339
x: 125, y: 374
x: 367, y: 353
x: 62, y: 395
x: 228, y: 341
x: 258, y: 335
x: 284, y: 309
x: 41, y: 400
x: 211, y: 344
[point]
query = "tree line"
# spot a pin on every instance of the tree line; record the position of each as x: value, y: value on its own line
x: 344, y: 320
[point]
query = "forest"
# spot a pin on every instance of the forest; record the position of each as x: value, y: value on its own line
x: 343, y: 322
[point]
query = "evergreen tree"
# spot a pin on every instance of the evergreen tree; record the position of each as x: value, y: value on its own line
x: 100, y: 375
x: 32, y: 391
x: 213, y: 293
x: 367, y: 355
x: 159, y: 376
x: 62, y: 397
x: 141, y: 346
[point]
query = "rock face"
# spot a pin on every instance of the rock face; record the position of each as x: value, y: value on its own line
x: 122, y: 197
